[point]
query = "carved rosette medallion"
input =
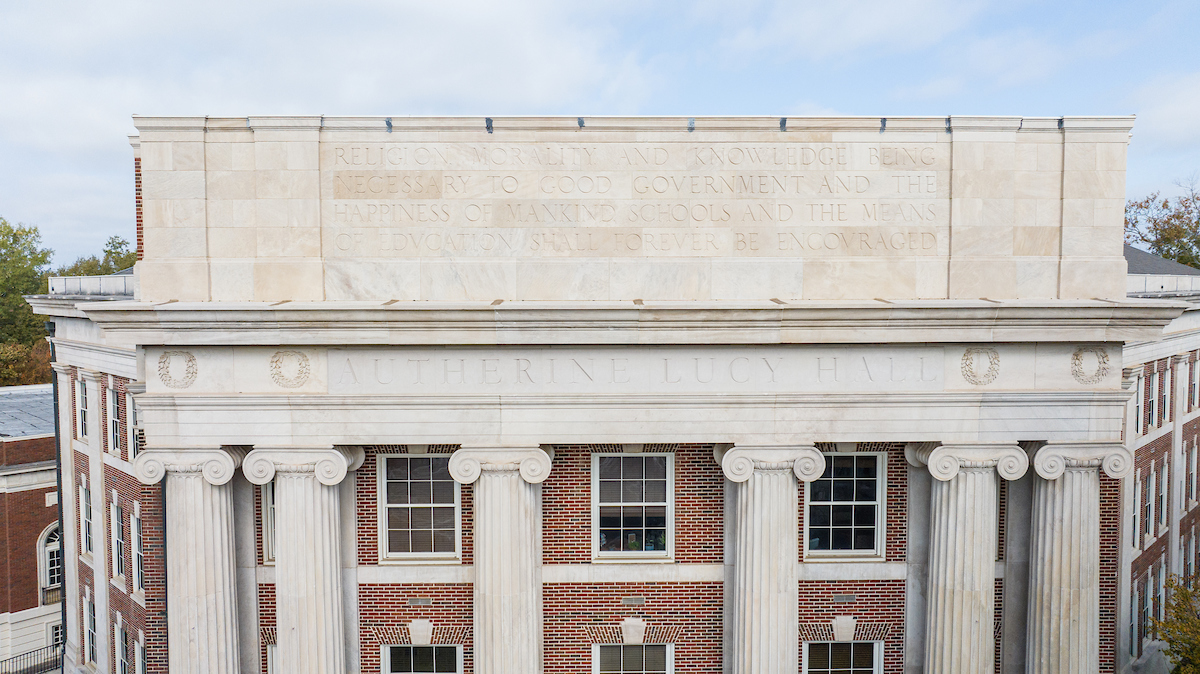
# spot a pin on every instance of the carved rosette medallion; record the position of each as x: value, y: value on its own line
x: 969, y: 371
x: 189, y: 369
x: 1080, y: 373
x: 302, y: 372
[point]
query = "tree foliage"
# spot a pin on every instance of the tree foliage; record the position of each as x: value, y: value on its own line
x: 1180, y: 625
x: 1169, y: 228
x: 21, y: 364
x: 117, y: 257
x: 23, y: 266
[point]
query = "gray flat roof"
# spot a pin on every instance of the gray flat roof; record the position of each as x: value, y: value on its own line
x: 26, y: 410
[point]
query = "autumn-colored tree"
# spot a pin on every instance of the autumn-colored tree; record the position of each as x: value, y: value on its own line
x: 1180, y: 625
x: 1167, y: 227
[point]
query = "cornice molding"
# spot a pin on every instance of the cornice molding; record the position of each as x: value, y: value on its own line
x: 217, y: 465
x: 416, y: 323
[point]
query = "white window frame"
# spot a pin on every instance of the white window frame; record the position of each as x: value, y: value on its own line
x: 1192, y: 368
x: 1148, y: 520
x: 272, y: 665
x: 1139, y: 415
x: 121, y: 646
x: 1160, y: 585
x: 381, y: 506
x: 1160, y: 505
x: 267, y: 497
x: 89, y: 631
x: 879, y: 554
x: 119, y: 542
x: 1152, y: 408
x: 114, y: 420
x: 137, y: 548
x: 44, y: 550
x: 86, y: 521
x: 385, y: 660
x: 131, y: 425
x: 139, y: 655
x: 878, y: 648
x: 51, y: 628
x: 81, y: 408
x: 670, y: 655
x: 666, y: 555
x: 1135, y: 539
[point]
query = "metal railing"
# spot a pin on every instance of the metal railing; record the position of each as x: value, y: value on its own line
x: 46, y: 659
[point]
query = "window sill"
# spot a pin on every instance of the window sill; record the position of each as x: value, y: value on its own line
x: 421, y: 561
x: 119, y: 583
x: 86, y: 558
x: 139, y: 596
x: 631, y: 559
x: 873, y: 558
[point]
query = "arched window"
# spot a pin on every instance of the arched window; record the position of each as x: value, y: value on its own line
x: 52, y: 558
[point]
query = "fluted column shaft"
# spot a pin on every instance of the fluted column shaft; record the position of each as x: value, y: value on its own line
x: 765, y: 634
x: 961, y: 600
x: 508, y: 563
x: 1064, y: 561
x: 202, y: 624
x: 308, y: 584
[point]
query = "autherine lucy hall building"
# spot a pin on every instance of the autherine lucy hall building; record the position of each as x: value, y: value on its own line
x: 524, y: 395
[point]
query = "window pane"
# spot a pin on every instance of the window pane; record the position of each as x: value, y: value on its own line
x: 422, y: 658
x: 398, y: 518
x: 819, y: 515
x: 864, y: 655
x: 422, y: 518
x: 818, y: 539
x: 839, y: 656
x: 865, y: 490
x: 401, y: 659
x: 818, y: 656
x: 420, y: 492
x: 656, y: 516
x: 631, y: 517
x: 656, y: 539
x: 419, y: 469
x: 864, y: 515
x: 656, y: 467
x: 656, y: 491
x: 443, y: 518
x: 610, y: 468
x: 422, y: 541
x: 443, y: 541
x: 841, y: 539
x: 631, y: 658
x: 443, y: 492
x: 610, y: 658
x: 843, y: 466
x: 631, y: 492
x: 864, y: 539
x: 610, y: 491
x: 631, y: 541
x: 610, y: 540
x: 843, y: 490
x: 397, y: 492
x: 398, y: 541
x: 447, y: 659
x: 441, y: 470
x: 656, y: 658
x: 821, y: 490
x: 631, y: 467
x: 865, y: 467
x: 843, y: 515
x: 610, y: 517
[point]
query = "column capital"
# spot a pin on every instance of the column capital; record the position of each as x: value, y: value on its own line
x: 217, y: 465
x: 945, y: 461
x: 468, y: 463
x: 1053, y: 459
x: 738, y: 464
x: 329, y: 464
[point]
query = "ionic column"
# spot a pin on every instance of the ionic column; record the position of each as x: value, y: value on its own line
x: 508, y: 556
x: 308, y: 580
x: 202, y: 624
x: 1064, y: 556
x: 960, y: 596
x: 765, y: 590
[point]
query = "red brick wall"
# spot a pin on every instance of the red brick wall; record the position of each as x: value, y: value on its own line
x: 694, y: 608
x: 137, y: 202
x: 1110, y: 555
x: 384, y: 608
x: 567, y: 505
x: 30, y: 450
x: 129, y: 490
x: 23, y: 517
x: 877, y: 602
x: 266, y: 619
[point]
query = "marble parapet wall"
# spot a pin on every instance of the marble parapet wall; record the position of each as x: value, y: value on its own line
x: 568, y: 209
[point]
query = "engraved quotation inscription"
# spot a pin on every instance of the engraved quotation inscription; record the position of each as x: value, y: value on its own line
x: 634, y: 199
x: 657, y: 370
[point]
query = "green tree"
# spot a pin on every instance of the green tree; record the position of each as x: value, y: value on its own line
x: 1180, y: 626
x: 117, y: 257
x: 23, y: 266
x: 1168, y: 227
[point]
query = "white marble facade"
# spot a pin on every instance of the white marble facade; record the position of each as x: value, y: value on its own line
x: 311, y: 285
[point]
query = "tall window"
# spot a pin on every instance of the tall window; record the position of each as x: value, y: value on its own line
x: 422, y: 660
x: 632, y: 504
x: 52, y: 561
x: 420, y: 506
x: 131, y: 423
x: 85, y: 509
x: 57, y: 635
x: 629, y: 659
x: 268, y: 505
x: 1189, y: 560
x: 139, y: 657
x: 1160, y: 507
x: 122, y: 648
x: 118, y: 540
x: 82, y: 409
x: 1192, y: 384
x: 1139, y: 419
x: 1189, y: 487
x: 139, y: 553
x: 844, y: 507
x: 857, y: 657
x: 114, y: 422
x: 1152, y: 399
x: 1166, y: 396
x: 1159, y: 589
x: 89, y: 630
x: 1148, y: 504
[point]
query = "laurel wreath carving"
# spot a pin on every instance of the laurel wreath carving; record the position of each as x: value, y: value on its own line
x: 189, y: 370
x: 1101, y: 365
x: 303, y: 369
x: 968, y: 365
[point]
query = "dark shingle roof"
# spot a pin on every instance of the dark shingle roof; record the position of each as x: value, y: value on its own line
x: 1141, y: 262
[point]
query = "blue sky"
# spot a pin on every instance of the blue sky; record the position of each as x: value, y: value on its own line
x: 73, y: 71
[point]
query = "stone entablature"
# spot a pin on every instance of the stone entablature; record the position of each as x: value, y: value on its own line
x: 540, y: 208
